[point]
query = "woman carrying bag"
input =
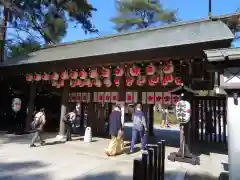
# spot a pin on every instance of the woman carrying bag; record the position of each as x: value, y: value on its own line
x: 116, y: 132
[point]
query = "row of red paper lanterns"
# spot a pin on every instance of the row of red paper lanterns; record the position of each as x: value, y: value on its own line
x: 141, y: 80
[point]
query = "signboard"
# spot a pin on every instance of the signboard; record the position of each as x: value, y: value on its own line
x: 144, y: 97
x: 135, y: 97
x: 114, y: 97
x: 183, y: 111
x: 167, y: 98
x: 175, y: 99
x: 107, y: 97
x: 78, y: 97
x: 150, y: 98
x: 129, y: 97
x: 95, y: 96
x: 158, y: 97
x: 16, y: 104
x: 100, y: 97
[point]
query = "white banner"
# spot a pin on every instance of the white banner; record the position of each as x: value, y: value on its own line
x: 150, y: 98
x: 158, y: 97
x: 129, y: 97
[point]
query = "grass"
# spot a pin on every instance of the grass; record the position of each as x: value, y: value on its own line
x: 157, y: 118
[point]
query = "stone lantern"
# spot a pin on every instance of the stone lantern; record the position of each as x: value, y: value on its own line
x: 227, y: 63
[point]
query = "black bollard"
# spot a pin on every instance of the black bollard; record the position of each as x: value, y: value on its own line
x: 159, y: 160
x: 155, y: 159
x: 163, y: 159
x: 137, y: 169
x: 144, y: 164
x: 150, y: 164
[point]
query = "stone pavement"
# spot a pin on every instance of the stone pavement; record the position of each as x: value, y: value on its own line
x: 66, y: 161
x: 78, y: 160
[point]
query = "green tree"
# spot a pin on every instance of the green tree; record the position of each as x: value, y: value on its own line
x: 137, y: 14
x: 47, y: 19
x: 24, y: 47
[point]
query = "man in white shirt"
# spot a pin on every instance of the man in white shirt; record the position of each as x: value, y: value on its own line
x: 39, y: 121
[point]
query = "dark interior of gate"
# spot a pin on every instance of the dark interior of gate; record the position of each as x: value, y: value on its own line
x: 138, y: 67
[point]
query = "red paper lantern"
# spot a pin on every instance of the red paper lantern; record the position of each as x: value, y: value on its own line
x: 150, y: 69
x: 81, y: 83
x: 74, y: 74
x: 29, y: 77
x: 45, y: 76
x: 116, y: 81
x: 129, y: 81
x: 37, y: 77
x: 82, y: 74
x: 118, y: 71
x: 64, y: 75
x: 178, y: 81
x: 135, y: 70
x: 93, y: 74
x: 72, y: 83
x: 55, y: 76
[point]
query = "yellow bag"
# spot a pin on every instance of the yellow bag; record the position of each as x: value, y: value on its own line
x: 114, y: 147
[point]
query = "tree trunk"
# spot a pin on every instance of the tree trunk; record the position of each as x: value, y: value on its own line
x: 3, y: 33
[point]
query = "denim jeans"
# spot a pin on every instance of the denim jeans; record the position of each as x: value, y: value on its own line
x: 142, y: 135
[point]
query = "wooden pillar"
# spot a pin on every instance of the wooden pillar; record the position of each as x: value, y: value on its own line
x: 92, y: 118
x: 30, y: 106
x: 64, y: 105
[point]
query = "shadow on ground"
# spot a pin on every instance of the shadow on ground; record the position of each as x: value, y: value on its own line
x: 104, y: 176
x: 19, y: 170
x: 206, y: 176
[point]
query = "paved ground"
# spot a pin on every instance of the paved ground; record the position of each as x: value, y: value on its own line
x: 78, y: 160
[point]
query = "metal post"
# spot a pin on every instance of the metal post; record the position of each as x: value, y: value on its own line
x: 159, y: 160
x: 137, y: 169
x: 150, y: 164
x: 210, y: 9
x: 145, y: 165
x: 163, y: 159
x: 155, y: 159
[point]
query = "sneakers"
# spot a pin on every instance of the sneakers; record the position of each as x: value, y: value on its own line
x: 32, y: 145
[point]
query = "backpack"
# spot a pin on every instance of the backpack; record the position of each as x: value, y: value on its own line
x: 36, y: 122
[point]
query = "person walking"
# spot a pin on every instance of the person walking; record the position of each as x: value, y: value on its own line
x: 139, y: 127
x: 116, y: 132
x: 38, y: 124
x: 69, y: 120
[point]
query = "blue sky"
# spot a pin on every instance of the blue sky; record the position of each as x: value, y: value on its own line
x: 187, y: 10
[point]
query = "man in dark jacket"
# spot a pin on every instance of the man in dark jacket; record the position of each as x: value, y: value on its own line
x: 115, y: 123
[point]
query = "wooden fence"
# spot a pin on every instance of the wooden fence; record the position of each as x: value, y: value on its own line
x: 209, y: 119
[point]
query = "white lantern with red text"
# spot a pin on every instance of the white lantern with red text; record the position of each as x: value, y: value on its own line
x: 29, y: 77
x: 169, y: 78
x: 107, y: 82
x: 98, y: 83
x: 168, y: 67
x: 105, y: 72
x: 82, y: 74
x: 118, y: 71
x: 141, y: 80
x: 150, y: 69
x: 178, y: 81
x: 129, y: 81
x: 45, y: 76
x: 72, y: 83
x: 93, y: 73
x: 61, y: 83
x: 87, y: 82
x: 54, y: 83
x: 74, y: 74
x: 37, y: 77
x: 116, y: 81
x: 64, y: 75
x: 55, y: 76
x: 135, y: 70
